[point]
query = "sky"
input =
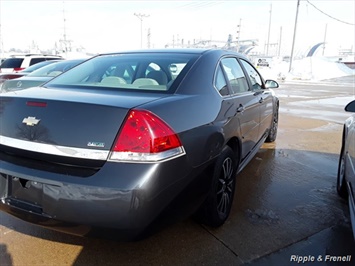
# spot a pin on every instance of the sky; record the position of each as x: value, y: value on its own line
x: 109, y: 26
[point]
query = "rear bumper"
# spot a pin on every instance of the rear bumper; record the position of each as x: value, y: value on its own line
x: 122, y: 197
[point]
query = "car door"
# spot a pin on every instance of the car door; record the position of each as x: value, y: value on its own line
x: 245, y: 104
x: 263, y: 95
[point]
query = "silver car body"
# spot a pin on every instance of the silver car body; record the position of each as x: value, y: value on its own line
x: 346, y: 171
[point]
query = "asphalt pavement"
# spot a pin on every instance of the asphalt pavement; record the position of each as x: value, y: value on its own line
x: 286, y: 209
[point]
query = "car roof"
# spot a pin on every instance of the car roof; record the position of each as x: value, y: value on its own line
x: 180, y: 51
x: 177, y: 51
x: 33, y: 55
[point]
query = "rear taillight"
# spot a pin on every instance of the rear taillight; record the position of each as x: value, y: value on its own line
x: 145, y: 137
x: 36, y: 104
x: 17, y: 69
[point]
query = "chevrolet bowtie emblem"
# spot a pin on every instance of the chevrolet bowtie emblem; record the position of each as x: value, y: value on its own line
x: 31, y: 121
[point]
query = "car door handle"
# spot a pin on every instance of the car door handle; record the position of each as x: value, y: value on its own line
x: 240, y: 109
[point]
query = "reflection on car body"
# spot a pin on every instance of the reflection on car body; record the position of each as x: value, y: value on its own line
x: 346, y: 170
x: 26, y: 71
x: 39, y: 76
x: 115, y: 141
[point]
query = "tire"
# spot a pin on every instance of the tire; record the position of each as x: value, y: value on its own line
x: 215, y: 210
x: 273, y: 129
x: 341, y: 180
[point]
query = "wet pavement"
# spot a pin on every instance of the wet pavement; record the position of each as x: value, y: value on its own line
x: 286, y: 208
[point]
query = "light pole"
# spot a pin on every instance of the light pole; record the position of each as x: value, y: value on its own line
x: 140, y: 17
x: 294, y: 36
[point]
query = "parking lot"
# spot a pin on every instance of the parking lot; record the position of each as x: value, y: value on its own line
x: 285, y: 204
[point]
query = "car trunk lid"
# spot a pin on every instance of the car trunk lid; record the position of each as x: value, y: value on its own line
x: 64, y: 125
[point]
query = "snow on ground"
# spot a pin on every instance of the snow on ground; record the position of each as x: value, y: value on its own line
x: 308, y: 68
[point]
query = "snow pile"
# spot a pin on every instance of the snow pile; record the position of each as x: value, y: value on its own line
x: 318, y: 68
x: 309, y: 68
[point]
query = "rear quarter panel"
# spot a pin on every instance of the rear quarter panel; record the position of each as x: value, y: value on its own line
x: 350, y: 148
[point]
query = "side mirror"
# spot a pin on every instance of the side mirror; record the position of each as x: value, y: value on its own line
x: 350, y: 107
x: 271, y: 84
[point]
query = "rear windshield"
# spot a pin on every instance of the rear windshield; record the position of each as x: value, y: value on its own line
x: 40, y: 59
x: 12, y: 63
x: 136, y: 71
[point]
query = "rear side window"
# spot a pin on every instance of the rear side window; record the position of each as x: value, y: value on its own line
x: 220, y: 82
x: 175, y: 69
x: 235, y: 75
x: 12, y: 63
x: 36, y: 60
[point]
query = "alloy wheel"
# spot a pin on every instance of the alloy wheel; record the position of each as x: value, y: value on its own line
x: 225, y: 187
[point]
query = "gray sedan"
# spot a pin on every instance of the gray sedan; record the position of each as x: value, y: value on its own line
x: 120, y: 139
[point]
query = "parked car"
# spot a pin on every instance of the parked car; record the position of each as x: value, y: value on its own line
x: 118, y: 140
x: 26, y: 71
x: 346, y: 169
x: 17, y: 63
x: 39, y: 76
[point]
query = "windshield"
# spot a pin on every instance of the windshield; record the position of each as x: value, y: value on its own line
x: 143, y: 71
x: 55, y: 69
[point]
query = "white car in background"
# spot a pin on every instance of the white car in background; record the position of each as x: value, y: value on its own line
x: 17, y: 63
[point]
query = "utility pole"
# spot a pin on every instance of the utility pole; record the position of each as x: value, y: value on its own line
x: 141, y: 17
x: 239, y: 26
x: 279, y: 52
x: 65, y: 42
x: 325, y: 36
x: 294, y: 36
x: 1, y: 42
x: 268, y: 35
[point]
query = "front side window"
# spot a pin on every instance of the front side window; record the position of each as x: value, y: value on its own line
x: 235, y: 75
x: 254, y: 76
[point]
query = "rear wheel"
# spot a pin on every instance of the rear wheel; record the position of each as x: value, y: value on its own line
x: 341, y: 183
x: 273, y: 130
x: 215, y: 210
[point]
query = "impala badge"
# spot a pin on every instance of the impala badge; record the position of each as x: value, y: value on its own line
x: 96, y: 144
x: 31, y: 121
